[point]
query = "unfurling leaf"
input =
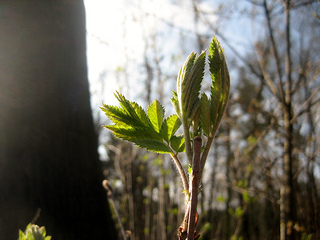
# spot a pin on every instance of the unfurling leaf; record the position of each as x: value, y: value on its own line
x: 177, y: 143
x: 34, y: 232
x: 220, y: 83
x: 175, y: 102
x: 205, y: 114
x: 156, y: 115
x: 189, y: 83
x: 170, y: 126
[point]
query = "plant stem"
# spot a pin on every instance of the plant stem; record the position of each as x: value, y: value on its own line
x: 187, y: 139
x: 194, y: 186
x: 181, y: 172
x: 206, y: 152
x: 207, y: 147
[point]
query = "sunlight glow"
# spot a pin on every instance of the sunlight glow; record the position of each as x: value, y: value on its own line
x: 116, y: 41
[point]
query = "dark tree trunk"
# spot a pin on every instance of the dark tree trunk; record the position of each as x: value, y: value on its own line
x: 48, y: 147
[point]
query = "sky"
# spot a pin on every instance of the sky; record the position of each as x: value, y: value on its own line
x: 115, y: 36
x: 116, y: 32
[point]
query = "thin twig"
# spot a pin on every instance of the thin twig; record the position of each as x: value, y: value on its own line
x: 274, y: 50
x: 181, y: 172
x: 109, y: 190
x: 36, y: 216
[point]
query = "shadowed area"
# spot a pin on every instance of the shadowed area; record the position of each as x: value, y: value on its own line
x: 48, y: 147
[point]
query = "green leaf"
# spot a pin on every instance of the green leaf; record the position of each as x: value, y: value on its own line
x: 195, y: 110
x: 116, y: 115
x: 246, y: 196
x: 220, y: 82
x: 215, y: 57
x: 141, y: 114
x: 34, y: 232
x: 231, y: 211
x: 189, y: 83
x: 183, y: 75
x: 239, y: 212
x: 221, y: 198
x: 177, y: 143
x: 175, y: 102
x: 156, y: 115
x: 131, y: 122
x: 193, y: 85
x: 130, y: 133
x: 152, y: 145
x: 133, y: 110
x: 170, y: 126
x: 215, y: 64
x: 205, y: 114
x: 22, y: 236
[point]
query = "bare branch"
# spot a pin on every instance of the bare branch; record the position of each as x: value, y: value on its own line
x: 306, y: 103
x: 274, y: 49
x: 267, y: 78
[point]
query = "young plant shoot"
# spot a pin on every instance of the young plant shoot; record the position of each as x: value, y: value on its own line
x: 198, y: 114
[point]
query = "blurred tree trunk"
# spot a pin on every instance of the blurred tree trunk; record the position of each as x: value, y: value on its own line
x: 287, y: 200
x: 229, y: 160
x: 48, y: 147
x: 290, y: 206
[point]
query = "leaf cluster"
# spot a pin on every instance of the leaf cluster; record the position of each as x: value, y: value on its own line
x: 34, y: 232
x: 194, y: 110
x: 150, y: 130
x: 212, y: 109
x: 189, y: 103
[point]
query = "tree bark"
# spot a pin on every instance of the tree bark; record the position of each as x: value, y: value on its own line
x: 48, y: 146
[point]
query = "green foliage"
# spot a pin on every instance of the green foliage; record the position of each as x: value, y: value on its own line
x: 221, y: 198
x: 306, y: 236
x: 146, y: 230
x: 242, y: 183
x: 151, y: 131
x: 207, y: 227
x: 189, y: 84
x: 239, y: 212
x: 220, y: 84
x: 34, y: 232
x: 247, y: 198
x: 235, y: 237
x: 174, y: 211
x: 236, y: 213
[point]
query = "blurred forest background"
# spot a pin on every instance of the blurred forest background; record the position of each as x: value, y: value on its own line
x: 262, y: 179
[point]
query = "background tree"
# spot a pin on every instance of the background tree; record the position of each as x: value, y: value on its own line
x: 48, y: 147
